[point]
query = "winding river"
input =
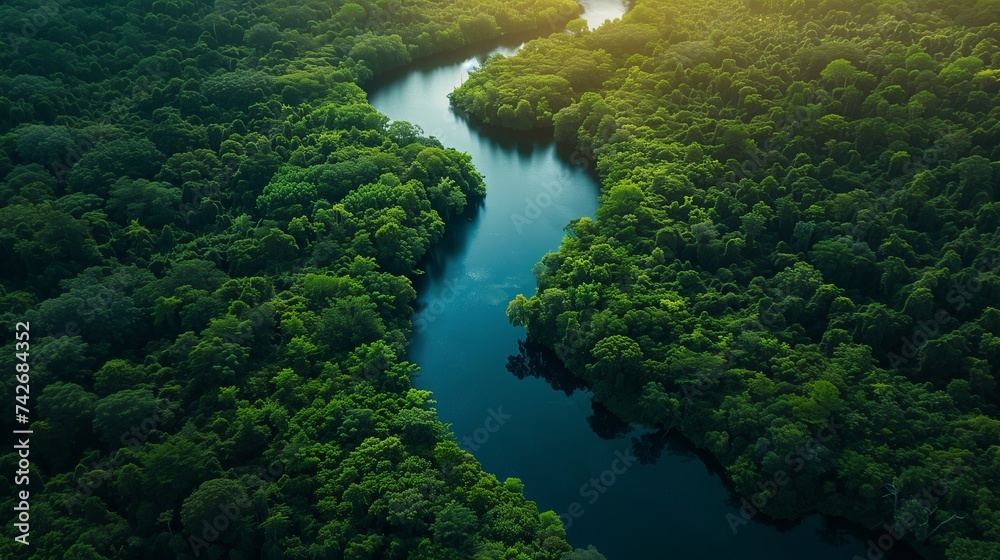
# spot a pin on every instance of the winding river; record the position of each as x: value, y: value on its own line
x: 675, y: 507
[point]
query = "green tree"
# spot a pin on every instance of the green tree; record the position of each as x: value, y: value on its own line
x: 108, y: 161
x: 380, y: 52
x: 46, y: 145
x: 455, y: 527
x: 214, y: 498
x: 154, y: 204
x: 839, y: 71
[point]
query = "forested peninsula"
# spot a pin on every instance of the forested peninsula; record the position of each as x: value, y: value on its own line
x: 794, y: 263
x: 212, y: 235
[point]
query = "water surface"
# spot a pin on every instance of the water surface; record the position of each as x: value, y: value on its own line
x: 675, y: 508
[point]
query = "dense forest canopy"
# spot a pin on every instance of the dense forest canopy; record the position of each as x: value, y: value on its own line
x: 798, y: 229
x: 212, y: 235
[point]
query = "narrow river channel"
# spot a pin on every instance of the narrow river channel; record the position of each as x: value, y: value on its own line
x: 523, y: 428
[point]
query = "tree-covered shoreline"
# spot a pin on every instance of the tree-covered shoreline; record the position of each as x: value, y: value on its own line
x: 798, y: 225
x: 212, y: 234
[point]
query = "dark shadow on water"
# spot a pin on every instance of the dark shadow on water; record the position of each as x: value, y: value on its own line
x: 605, y: 424
x: 449, y: 58
x: 535, y: 360
x: 455, y: 241
x: 538, y: 361
x: 835, y: 531
x: 525, y: 142
x: 648, y: 447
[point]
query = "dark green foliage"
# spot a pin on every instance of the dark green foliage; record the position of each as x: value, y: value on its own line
x: 213, y: 235
x: 799, y: 222
x: 44, y: 144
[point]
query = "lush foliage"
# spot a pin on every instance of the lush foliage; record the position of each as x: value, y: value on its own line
x: 799, y: 225
x: 212, y: 235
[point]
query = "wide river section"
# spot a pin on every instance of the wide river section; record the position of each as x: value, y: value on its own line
x: 676, y: 507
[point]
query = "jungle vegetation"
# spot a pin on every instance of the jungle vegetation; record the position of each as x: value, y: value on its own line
x: 798, y: 228
x: 213, y: 234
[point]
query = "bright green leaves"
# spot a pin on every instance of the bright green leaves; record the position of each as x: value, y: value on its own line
x: 289, y: 193
x: 839, y: 72
x: 358, y: 115
x: 623, y: 198
x: 778, y: 231
x: 618, y: 360
x: 503, y: 93
x: 961, y: 70
x: 266, y: 219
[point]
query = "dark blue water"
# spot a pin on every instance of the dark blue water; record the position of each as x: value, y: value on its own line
x: 675, y: 508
